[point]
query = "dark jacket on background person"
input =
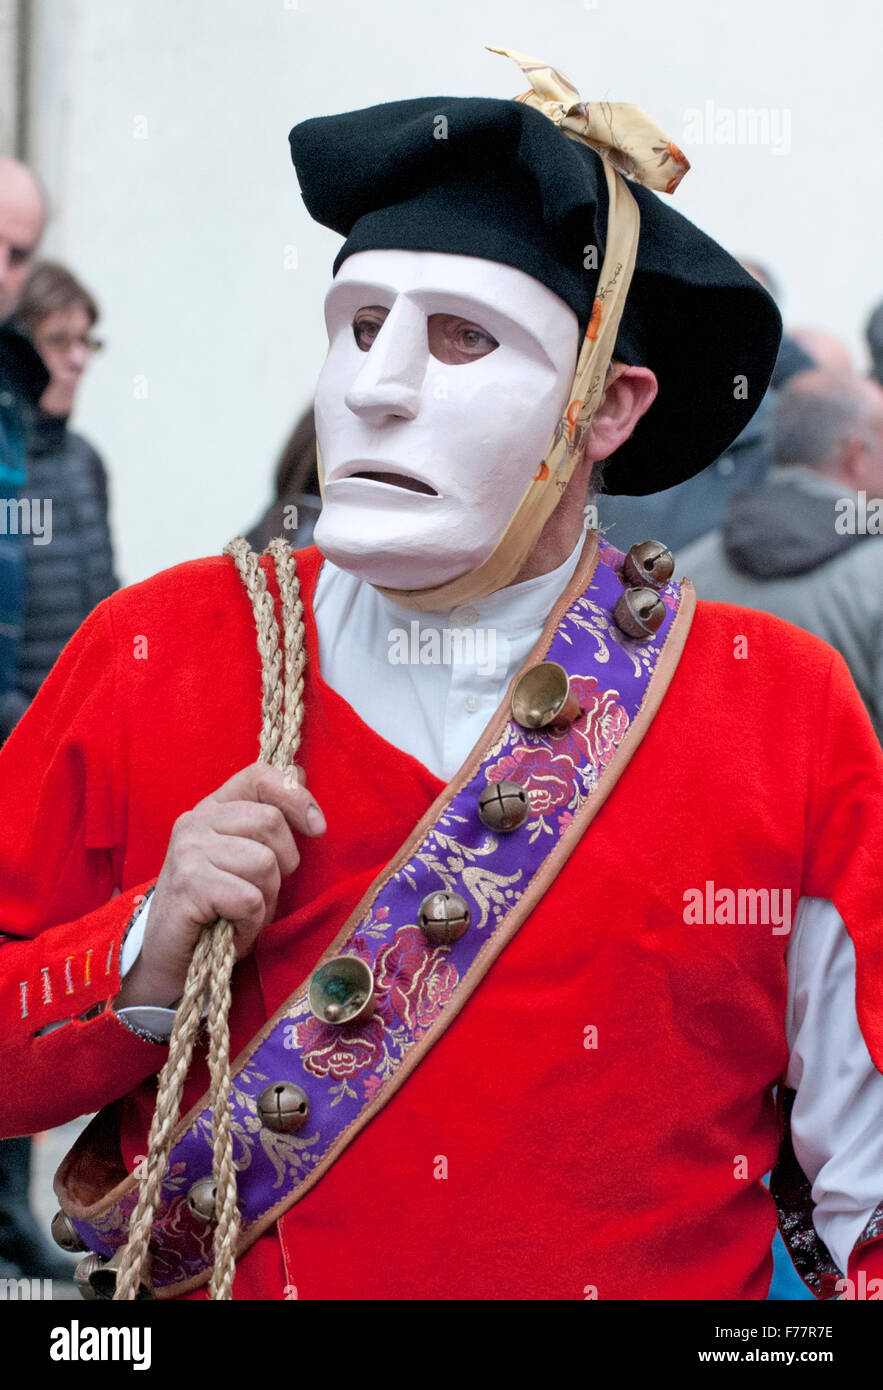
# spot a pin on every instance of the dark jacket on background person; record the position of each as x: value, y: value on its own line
x: 23, y: 379
x: 791, y: 359
x: 272, y: 523
x: 779, y: 551
x: 682, y: 514
x: 66, y: 578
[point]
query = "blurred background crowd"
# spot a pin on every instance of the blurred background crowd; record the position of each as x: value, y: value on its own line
x: 789, y: 520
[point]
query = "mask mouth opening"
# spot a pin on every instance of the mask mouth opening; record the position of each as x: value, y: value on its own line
x: 402, y: 480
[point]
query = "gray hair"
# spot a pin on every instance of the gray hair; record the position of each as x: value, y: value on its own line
x: 816, y: 412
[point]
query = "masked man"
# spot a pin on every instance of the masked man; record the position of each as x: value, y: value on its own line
x: 613, y: 874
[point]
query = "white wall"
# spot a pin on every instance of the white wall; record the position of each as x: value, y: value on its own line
x: 182, y: 234
x: 8, y: 76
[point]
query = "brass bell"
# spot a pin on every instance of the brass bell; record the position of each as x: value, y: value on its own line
x: 443, y: 917
x: 283, y: 1107
x: 648, y: 562
x: 639, y: 612
x: 82, y: 1272
x: 103, y: 1279
x: 201, y: 1200
x: 342, y: 990
x: 503, y: 806
x: 542, y: 698
x: 65, y: 1234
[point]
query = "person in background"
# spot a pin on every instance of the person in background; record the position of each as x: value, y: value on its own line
x: 824, y: 349
x: 22, y: 221
x: 682, y: 513
x: 69, y: 568
x: 23, y: 379
x: 874, y: 336
x: 792, y: 356
x: 807, y: 546
x: 296, y: 504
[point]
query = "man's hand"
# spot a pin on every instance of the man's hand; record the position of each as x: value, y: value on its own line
x: 226, y: 858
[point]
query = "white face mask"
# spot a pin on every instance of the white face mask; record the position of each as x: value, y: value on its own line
x: 460, y: 374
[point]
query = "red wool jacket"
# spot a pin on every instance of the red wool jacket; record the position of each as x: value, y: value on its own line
x: 628, y: 1169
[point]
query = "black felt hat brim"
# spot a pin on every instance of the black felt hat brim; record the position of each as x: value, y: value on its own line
x: 507, y: 185
x: 709, y: 332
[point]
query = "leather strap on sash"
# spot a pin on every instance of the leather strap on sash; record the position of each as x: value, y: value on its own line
x: 351, y: 1071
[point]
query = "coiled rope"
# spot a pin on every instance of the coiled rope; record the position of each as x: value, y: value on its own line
x: 214, y: 955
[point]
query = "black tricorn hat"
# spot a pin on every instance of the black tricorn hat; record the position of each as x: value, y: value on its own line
x: 480, y: 176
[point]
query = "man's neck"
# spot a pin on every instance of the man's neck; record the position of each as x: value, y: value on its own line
x: 558, y: 540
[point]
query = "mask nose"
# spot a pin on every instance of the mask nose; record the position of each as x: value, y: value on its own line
x: 388, y: 386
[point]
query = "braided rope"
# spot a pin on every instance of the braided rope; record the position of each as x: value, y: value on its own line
x: 293, y: 636
x: 214, y: 955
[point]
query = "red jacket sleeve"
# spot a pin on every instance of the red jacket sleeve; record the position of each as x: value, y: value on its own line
x: 845, y: 842
x: 62, y: 916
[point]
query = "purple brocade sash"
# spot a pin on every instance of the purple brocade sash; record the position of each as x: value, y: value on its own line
x: 349, y: 1071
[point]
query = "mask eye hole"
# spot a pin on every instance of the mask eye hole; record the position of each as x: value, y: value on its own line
x: 367, y: 323
x: 455, y: 340
x: 451, y: 339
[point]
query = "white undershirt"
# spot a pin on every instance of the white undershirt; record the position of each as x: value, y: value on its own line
x: 437, y: 711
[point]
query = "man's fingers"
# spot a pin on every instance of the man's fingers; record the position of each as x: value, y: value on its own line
x: 258, y: 822
x: 273, y: 787
x: 248, y: 859
x: 240, y: 901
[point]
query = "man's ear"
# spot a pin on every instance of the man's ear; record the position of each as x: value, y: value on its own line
x: 852, y: 462
x: 629, y: 394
